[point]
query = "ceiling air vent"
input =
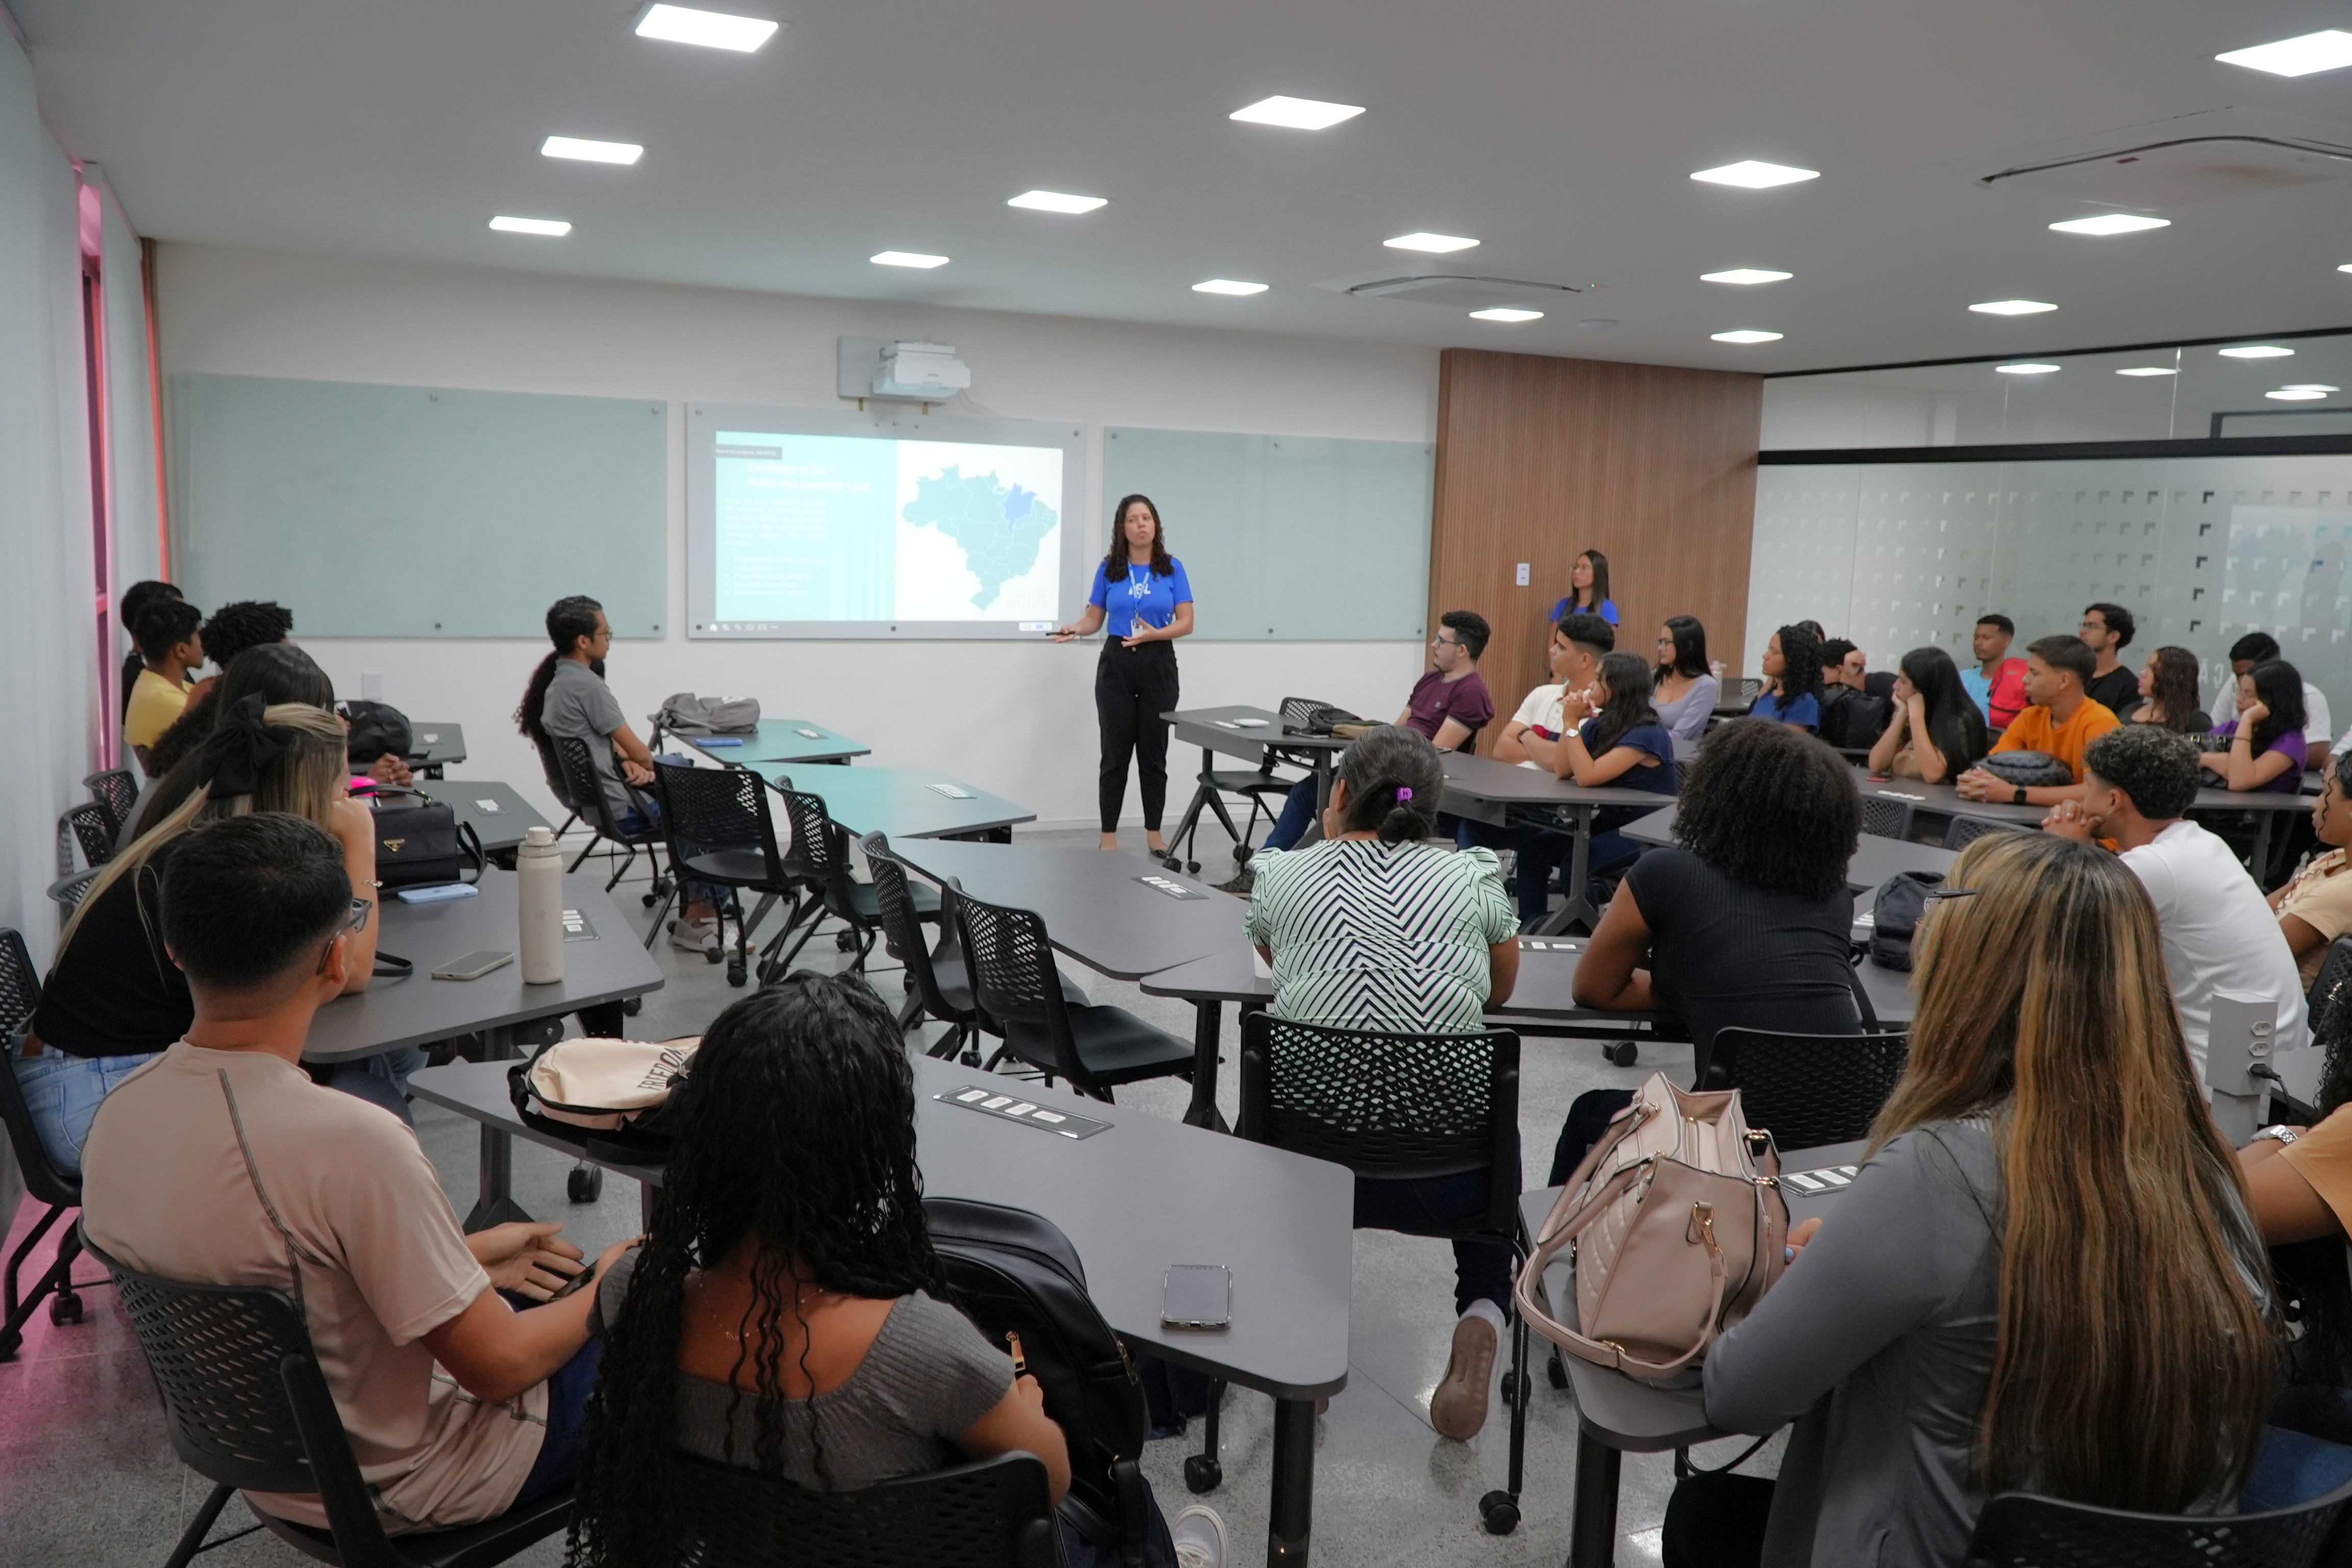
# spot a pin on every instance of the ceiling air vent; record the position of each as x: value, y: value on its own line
x: 1461, y: 291
x: 2195, y: 158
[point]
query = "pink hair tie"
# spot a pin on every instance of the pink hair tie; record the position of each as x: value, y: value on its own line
x: 1404, y: 794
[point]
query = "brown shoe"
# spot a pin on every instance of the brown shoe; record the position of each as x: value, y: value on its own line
x: 1458, y: 1407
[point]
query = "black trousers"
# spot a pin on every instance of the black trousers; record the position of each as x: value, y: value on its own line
x: 1132, y: 687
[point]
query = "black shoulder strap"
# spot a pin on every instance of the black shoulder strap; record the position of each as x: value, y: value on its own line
x: 1861, y: 993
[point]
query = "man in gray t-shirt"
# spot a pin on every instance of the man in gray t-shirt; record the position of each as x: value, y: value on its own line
x: 580, y: 703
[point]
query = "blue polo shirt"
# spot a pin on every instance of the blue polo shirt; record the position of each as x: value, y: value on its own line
x: 1144, y: 593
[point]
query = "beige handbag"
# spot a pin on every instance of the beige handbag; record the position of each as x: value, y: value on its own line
x: 600, y: 1085
x: 1678, y: 1227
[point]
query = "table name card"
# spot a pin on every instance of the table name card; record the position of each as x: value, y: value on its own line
x: 1171, y: 887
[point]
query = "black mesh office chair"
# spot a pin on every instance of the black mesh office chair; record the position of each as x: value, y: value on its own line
x: 84, y: 827
x: 584, y: 793
x: 117, y: 789
x: 1747, y: 690
x: 249, y: 1409
x: 819, y: 857
x: 56, y: 1189
x: 988, y: 1513
x: 1884, y: 818
x: 2019, y: 1529
x: 1807, y: 1091
x: 2327, y: 990
x: 719, y: 833
x: 67, y: 892
x: 1019, y: 995
x: 1400, y: 1107
x: 1966, y: 830
x: 937, y: 985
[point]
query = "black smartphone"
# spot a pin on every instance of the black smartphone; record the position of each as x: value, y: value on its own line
x: 1197, y: 1296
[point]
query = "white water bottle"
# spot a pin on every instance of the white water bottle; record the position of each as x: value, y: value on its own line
x: 539, y: 871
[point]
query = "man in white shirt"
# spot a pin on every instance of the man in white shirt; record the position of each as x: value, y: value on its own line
x: 2218, y: 935
x: 2260, y: 648
x: 1531, y: 739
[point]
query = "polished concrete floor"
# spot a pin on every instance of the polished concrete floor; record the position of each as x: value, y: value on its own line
x: 87, y: 1475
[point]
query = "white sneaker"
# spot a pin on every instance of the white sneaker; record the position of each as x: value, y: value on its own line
x: 695, y: 936
x: 1200, y: 1535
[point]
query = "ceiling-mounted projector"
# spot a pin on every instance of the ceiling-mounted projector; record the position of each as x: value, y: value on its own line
x: 925, y: 373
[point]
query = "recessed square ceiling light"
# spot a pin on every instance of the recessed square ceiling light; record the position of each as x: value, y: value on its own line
x: 2257, y: 350
x: 2111, y: 223
x: 1228, y: 286
x: 1746, y: 275
x: 1505, y: 313
x: 1745, y: 335
x: 2012, y: 308
x: 587, y: 152
x: 1754, y: 175
x: 1057, y: 202
x: 2296, y: 394
x: 905, y: 258
x: 553, y: 227
x: 2324, y: 51
x: 711, y: 29
x: 1297, y: 113
x: 2027, y: 369
x: 2147, y: 369
x: 1435, y: 244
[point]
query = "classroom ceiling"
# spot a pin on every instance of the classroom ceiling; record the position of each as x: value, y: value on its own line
x: 1563, y: 136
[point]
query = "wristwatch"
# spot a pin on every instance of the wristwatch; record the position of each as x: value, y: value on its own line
x: 2019, y: 797
x: 2277, y: 1132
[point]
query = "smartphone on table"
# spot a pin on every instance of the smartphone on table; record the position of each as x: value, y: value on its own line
x: 1197, y: 1296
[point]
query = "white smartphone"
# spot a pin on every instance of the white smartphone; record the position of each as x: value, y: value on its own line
x: 474, y: 965
x: 1197, y: 1296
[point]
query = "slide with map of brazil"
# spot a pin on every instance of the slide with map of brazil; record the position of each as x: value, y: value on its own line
x: 812, y: 528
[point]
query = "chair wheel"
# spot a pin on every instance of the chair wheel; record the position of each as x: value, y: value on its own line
x: 1515, y: 1389
x: 1202, y: 1474
x: 1193, y: 866
x: 649, y: 900
x: 736, y: 973
x: 586, y: 1185
x: 1499, y: 1512
x: 65, y: 1307
x: 634, y: 1005
x: 1242, y: 853
x: 846, y: 941
x: 1556, y: 1370
x: 1622, y: 1053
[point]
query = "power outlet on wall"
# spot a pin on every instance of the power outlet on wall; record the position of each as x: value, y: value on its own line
x: 1523, y: 574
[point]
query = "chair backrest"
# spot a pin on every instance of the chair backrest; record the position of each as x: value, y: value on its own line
x: 1805, y: 1089
x: 902, y: 932
x: 990, y: 1513
x: 2019, y: 1529
x: 1966, y: 830
x: 584, y: 789
x: 2327, y: 991
x: 706, y: 809
x: 67, y: 892
x: 820, y: 850
x: 1883, y: 818
x: 1013, y: 980
x: 1748, y: 687
x: 1386, y: 1105
x: 86, y: 828
x: 20, y: 994
x: 117, y: 789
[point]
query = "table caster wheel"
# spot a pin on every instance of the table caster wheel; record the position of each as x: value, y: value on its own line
x: 1202, y: 1474
x: 634, y: 1005
x: 1515, y: 1389
x: 1192, y: 867
x: 1556, y: 1370
x: 738, y: 972
x: 1499, y: 1513
x: 1622, y: 1053
x: 586, y: 1185
x: 846, y: 941
x: 65, y: 1307
x: 714, y: 954
x: 649, y: 900
x: 1241, y: 856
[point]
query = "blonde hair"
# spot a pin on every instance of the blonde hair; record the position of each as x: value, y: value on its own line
x: 307, y: 779
x: 2126, y: 1250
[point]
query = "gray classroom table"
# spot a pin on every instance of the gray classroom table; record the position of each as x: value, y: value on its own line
x: 418, y: 1009
x: 1499, y: 793
x: 1943, y: 802
x: 438, y: 746
x: 899, y: 802
x: 776, y: 740
x: 499, y: 815
x: 1248, y: 734
x: 1615, y: 1413
x: 1874, y: 858
x: 1134, y: 1199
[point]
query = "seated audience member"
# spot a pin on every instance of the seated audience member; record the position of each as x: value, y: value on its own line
x: 220, y: 1163
x: 2267, y: 738
x: 2315, y: 908
x: 2218, y: 934
x: 1996, y: 682
x: 785, y: 1311
x: 170, y: 646
x: 1745, y: 923
x: 567, y: 696
x: 1979, y: 1313
x: 2167, y: 691
x: 1450, y: 704
x: 1533, y: 739
x: 2059, y: 720
x: 1611, y: 737
x: 1792, y: 674
x: 1685, y: 689
x: 276, y: 672
x: 1851, y: 717
x: 2106, y: 631
x: 1936, y: 733
x: 1372, y: 929
x: 230, y: 631
x: 2260, y: 648
x: 135, y: 598
x: 114, y: 998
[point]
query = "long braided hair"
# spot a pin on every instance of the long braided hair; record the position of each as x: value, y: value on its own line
x: 796, y: 1138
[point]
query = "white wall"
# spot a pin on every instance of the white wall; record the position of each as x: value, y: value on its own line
x: 1014, y: 719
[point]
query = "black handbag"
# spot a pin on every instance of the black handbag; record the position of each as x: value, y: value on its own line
x: 2028, y: 769
x: 420, y: 843
x: 377, y: 729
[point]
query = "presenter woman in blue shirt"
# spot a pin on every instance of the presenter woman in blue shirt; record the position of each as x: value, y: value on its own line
x: 1142, y: 592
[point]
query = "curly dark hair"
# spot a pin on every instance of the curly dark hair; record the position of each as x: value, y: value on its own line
x: 231, y: 630
x: 2172, y: 687
x: 1801, y: 664
x: 796, y: 1142
x: 2150, y: 763
x: 1115, y: 561
x: 1772, y: 808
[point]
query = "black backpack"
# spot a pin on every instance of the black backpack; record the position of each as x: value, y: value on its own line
x: 1902, y: 902
x: 377, y: 728
x: 1012, y: 1270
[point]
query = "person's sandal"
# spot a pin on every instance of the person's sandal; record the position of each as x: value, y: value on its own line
x: 1457, y: 1406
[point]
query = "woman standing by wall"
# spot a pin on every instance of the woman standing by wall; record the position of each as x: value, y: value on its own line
x: 1588, y: 589
x: 1142, y: 593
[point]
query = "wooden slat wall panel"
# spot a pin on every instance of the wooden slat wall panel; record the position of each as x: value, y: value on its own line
x: 1539, y: 458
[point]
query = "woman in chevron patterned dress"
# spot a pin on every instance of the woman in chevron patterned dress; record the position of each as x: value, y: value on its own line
x: 1375, y: 927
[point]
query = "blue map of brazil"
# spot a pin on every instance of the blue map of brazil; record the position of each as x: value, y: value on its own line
x: 999, y: 527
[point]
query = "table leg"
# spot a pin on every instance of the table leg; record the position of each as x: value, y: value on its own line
x: 1592, y: 1534
x: 1292, y: 1517
x: 496, y: 1205
x: 2263, y: 845
x: 1208, y: 1023
x: 1322, y: 782
x: 1576, y: 906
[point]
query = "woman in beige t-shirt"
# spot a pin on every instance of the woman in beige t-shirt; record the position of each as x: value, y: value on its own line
x: 2315, y: 908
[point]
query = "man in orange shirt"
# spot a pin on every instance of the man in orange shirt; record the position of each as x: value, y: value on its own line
x: 2060, y: 721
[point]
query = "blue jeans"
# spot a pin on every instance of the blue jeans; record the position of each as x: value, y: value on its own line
x: 2293, y: 1468
x: 646, y: 818
x: 567, y: 1414
x: 380, y: 1080
x: 1298, y: 814
x: 64, y: 1093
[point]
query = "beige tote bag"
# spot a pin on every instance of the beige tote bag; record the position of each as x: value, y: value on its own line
x: 1678, y: 1227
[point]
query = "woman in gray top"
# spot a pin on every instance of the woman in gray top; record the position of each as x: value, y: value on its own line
x: 1686, y: 690
x: 2044, y: 1278
x: 785, y: 1314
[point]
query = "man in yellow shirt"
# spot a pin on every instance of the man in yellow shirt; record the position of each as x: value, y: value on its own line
x: 170, y: 642
x: 2060, y: 721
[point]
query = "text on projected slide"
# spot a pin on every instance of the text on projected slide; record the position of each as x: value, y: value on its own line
x: 855, y: 528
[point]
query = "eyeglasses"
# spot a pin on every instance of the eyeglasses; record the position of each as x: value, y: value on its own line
x: 354, y: 922
x: 1442, y: 640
